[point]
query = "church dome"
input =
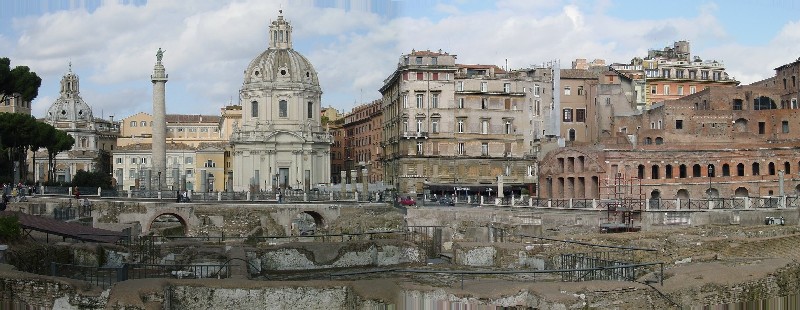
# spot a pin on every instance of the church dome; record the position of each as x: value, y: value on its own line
x: 280, y: 63
x: 69, y: 107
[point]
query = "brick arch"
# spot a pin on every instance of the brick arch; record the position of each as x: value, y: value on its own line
x: 182, y: 215
x: 319, y: 220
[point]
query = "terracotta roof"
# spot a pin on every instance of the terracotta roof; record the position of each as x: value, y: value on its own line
x: 188, y: 118
x: 578, y: 74
x: 148, y: 146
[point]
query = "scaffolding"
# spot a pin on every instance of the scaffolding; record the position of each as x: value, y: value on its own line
x: 623, y: 199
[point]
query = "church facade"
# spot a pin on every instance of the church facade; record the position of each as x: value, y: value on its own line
x: 280, y: 143
x: 93, y: 136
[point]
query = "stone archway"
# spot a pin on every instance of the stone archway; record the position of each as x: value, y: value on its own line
x: 741, y: 192
x: 712, y: 193
x: 155, y: 220
x: 307, y: 223
x: 655, y: 196
x: 682, y: 194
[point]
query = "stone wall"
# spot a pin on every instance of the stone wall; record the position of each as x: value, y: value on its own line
x: 499, y: 255
x: 315, y: 255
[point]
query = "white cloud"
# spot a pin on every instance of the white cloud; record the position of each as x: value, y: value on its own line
x: 208, y: 45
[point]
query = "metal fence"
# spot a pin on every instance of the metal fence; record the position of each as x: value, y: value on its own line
x: 105, y: 277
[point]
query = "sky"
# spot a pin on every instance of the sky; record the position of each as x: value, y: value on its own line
x: 355, y: 44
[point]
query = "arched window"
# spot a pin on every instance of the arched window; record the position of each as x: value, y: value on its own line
x: 756, y: 169
x: 254, y: 109
x: 283, y: 108
x: 787, y: 168
x: 726, y: 170
x: 648, y: 140
x: 641, y: 171
x: 571, y: 134
x: 668, y: 172
x: 696, y: 171
x: 740, y: 170
x: 682, y: 171
x: 659, y: 140
x: 771, y: 168
x: 654, y: 172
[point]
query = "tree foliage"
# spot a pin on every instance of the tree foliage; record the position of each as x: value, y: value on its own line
x: 20, y: 80
x: 92, y: 179
x: 20, y: 133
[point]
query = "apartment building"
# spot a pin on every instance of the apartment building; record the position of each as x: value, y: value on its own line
x: 363, y: 132
x: 450, y: 127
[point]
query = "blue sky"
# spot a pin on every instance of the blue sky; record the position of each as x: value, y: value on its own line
x: 355, y: 44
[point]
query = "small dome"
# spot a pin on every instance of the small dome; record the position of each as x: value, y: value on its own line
x: 281, y: 65
x: 69, y: 107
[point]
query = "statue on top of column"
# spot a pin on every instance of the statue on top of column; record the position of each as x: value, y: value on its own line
x: 159, y: 54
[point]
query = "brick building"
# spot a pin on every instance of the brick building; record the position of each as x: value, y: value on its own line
x: 718, y: 142
x: 363, y: 132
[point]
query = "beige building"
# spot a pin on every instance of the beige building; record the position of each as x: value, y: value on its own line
x: 181, y: 128
x: 451, y: 127
x: 14, y: 104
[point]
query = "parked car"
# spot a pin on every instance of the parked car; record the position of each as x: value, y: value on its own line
x: 446, y: 201
x: 408, y: 201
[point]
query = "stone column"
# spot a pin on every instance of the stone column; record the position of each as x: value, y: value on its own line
x: 343, y: 181
x: 159, y: 79
x: 365, y: 181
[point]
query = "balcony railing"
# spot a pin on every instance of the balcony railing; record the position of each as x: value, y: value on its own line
x: 415, y: 134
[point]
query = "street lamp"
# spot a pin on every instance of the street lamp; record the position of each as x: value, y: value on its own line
x: 710, y: 175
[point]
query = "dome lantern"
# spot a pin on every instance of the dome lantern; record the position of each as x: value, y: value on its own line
x: 280, y: 33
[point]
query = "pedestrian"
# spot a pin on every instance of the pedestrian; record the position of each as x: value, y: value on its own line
x: 76, y: 192
x: 4, y: 202
x: 178, y: 196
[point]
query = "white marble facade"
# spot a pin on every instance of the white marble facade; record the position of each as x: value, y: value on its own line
x: 280, y: 142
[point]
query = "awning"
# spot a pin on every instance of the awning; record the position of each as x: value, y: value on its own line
x: 473, y: 188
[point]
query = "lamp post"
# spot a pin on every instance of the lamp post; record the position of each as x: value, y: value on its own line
x: 710, y: 175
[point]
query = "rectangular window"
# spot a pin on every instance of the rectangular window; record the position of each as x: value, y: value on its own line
x: 460, y: 103
x: 132, y: 174
x: 536, y: 90
x: 485, y: 127
x: 434, y: 61
x: 419, y: 60
x: 484, y: 103
x: 434, y: 101
x: 435, y: 126
x: 420, y: 148
x: 119, y: 160
x: 580, y: 115
x: 484, y: 87
x: 508, y: 128
x: 420, y: 76
x: 405, y: 101
x: 785, y: 126
x: 692, y: 90
x: 143, y: 160
x: 737, y: 104
x: 580, y: 90
x: 665, y: 73
x: 679, y: 74
x: 567, y: 115
x: 133, y: 123
x: 704, y: 75
x: 678, y: 124
x: 310, y: 109
x: 133, y: 160
x: 460, y: 124
x: 283, y: 108
x: 484, y: 149
x: 461, y: 150
x: 666, y: 89
x: 567, y: 91
x: 653, y: 89
x: 762, y: 128
x: 506, y: 87
x: 420, y: 101
x: 254, y: 109
x: 680, y: 90
x: 460, y: 86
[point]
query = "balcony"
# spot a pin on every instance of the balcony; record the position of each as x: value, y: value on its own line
x: 415, y: 135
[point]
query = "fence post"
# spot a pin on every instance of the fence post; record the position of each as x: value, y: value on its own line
x: 122, y: 273
x: 248, y: 196
x: 99, y: 191
x: 594, y: 203
x: 677, y: 204
x: 570, y: 203
x: 130, y: 193
x: 219, y: 196
x: 747, y: 202
x: 783, y: 202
